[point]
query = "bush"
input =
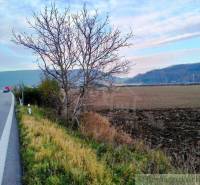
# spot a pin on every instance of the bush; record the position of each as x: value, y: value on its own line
x: 47, y: 94
x: 50, y: 94
x: 99, y: 128
x: 32, y: 95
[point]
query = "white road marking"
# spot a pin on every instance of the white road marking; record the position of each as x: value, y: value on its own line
x: 4, y: 140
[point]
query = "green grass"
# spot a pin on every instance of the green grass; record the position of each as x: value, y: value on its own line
x: 54, y: 154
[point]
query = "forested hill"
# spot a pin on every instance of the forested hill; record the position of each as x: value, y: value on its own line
x: 31, y: 77
x: 180, y: 74
x: 26, y: 77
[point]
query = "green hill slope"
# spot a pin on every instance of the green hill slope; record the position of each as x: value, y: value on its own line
x: 184, y: 73
x: 27, y: 77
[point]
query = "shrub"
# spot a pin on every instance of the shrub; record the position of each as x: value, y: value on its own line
x: 98, y: 127
x: 50, y: 94
x: 32, y: 95
x: 47, y: 94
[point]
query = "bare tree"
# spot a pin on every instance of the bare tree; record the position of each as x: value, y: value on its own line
x: 53, y: 40
x: 98, y: 45
x: 64, y: 41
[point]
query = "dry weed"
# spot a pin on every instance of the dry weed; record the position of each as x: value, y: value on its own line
x: 98, y: 127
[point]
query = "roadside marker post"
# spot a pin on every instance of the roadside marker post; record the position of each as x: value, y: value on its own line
x: 29, y: 109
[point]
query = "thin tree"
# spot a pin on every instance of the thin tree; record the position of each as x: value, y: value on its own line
x: 98, y: 46
x: 53, y: 41
x: 65, y: 41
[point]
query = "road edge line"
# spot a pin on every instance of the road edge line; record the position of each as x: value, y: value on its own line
x: 4, y: 140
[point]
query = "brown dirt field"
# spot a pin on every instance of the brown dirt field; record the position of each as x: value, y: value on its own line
x: 146, y: 97
x: 166, y: 117
x: 176, y: 131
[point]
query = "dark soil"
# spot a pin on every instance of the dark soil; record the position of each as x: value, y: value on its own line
x: 176, y: 131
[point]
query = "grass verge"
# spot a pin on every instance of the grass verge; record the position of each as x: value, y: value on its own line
x: 51, y: 156
x: 55, y: 155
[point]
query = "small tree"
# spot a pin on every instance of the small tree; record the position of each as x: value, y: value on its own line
x: 65, y: 41
x: 98, y: 46
x: 53, y: 41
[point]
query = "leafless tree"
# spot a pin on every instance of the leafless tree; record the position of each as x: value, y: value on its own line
x: 98, y: 45
x: 53, y: 40
x: 64, y: 41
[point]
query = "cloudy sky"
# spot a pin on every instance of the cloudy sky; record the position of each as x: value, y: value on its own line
x: 166, y: 32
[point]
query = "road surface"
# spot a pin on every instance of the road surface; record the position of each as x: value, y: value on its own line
x: 10, y: 170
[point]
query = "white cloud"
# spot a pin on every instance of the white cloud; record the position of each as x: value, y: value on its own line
x: 153, y: 23
x: 166, y: 40
x: 162, y: 20
x: 142, y: 64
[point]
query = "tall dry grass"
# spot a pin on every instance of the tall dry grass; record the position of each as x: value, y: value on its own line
x: 54, y: 155
x: 99, y: 128
x: 63, y: 154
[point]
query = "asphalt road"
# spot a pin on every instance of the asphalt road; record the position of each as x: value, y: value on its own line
x: 5, y: 103
x: 11, y: 167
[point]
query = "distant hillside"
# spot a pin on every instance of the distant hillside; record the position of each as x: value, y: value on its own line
x: 184, y: 73
x: 29, y: 77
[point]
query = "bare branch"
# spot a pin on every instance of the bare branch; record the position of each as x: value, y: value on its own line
x: 65, y: 41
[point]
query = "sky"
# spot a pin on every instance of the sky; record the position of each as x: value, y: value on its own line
x: 166, y: 32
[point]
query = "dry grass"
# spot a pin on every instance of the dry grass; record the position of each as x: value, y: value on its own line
x: 52, y: 155
x: 98, y: 127
x: 53, y: 143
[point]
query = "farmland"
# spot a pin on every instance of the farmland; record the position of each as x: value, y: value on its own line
x: 166, y: 117
x: 147, y: 97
